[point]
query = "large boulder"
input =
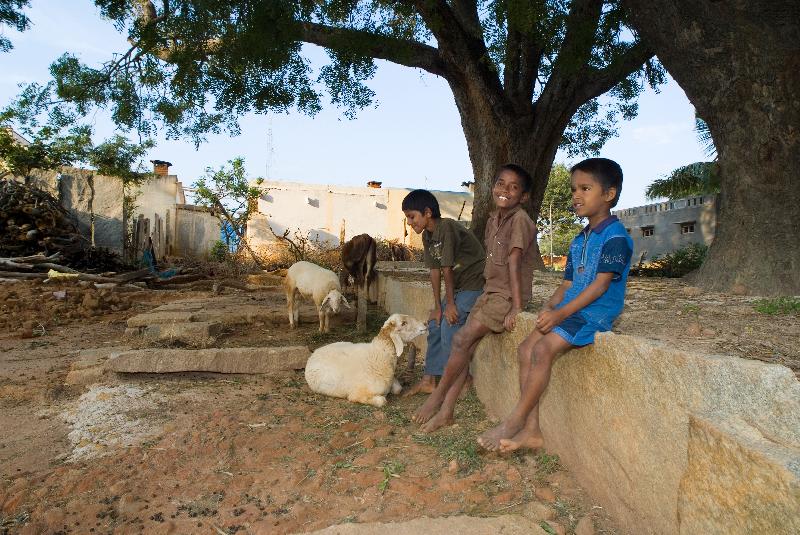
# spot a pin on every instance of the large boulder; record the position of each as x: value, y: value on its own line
x: 666, y: 441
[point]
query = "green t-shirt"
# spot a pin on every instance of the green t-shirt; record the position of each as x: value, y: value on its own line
x: 452, y: 245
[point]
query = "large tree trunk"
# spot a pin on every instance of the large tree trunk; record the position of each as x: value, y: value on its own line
x: 493, y: 141
x: 739, y: 63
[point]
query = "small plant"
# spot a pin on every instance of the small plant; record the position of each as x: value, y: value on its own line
x: 390, y: 469
x: 675, y: 264
x: 779, y: 305
x: 547, y: 527
x: 546, y: 464
x: 219, y: 251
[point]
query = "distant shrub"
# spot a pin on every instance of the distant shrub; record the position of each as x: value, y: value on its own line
x: 220, y: 251
x: 675, y: 264
x: 395, y: 251
x: 779, y: 305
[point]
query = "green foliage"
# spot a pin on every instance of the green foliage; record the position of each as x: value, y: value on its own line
x: 566, y: 225
x: 195, y: 67
x: 220, y: 251
x: 699, y: 178
x: 228, y: 193
x: 50, y: 149
x: 676, y: 264
x: 11, y: 15
x: 391, y: 469
x: 779, y: 305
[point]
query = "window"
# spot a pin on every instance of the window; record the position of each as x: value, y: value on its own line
x: 687, y: 228
x: 647, y: 231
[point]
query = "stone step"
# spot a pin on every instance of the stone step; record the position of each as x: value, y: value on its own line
x: 254, y: 360
x: 463, y: 525
x: 194, y: 333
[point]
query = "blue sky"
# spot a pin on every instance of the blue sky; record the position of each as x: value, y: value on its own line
x: 412, y: 137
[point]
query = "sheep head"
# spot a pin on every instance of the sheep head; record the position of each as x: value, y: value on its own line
x: 333, y: 302
x: 402, y: 329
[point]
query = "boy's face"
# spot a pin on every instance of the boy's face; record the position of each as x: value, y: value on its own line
x: 588, y: 197
x: 508, y: 190
x: 419, y: 221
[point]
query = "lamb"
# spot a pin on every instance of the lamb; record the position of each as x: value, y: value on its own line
x: 322, y: 285
x: 363, y: 373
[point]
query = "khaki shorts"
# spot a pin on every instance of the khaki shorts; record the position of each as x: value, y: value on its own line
x: 491, y: 309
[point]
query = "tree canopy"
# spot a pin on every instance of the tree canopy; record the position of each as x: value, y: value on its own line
x: 11, y: 15
x: 564, y: 224
x: 525, y: 74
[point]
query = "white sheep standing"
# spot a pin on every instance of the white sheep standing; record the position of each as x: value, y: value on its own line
x: 363, y: 373
x: 322, y: 285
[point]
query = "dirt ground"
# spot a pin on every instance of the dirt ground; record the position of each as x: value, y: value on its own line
x: 203, y: 453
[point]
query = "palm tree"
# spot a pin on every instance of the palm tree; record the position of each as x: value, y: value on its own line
x: 699, y: 178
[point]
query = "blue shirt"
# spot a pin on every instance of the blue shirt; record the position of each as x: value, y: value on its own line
x: 607, y: 248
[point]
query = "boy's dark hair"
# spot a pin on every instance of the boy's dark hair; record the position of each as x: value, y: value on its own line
x: 607, y: 172
x: 527, y: 181
x: 419, y: 199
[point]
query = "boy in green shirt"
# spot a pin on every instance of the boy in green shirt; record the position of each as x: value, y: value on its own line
x: 454, y: 254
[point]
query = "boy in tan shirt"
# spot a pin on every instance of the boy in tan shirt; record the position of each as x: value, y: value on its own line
x: 509, y: 238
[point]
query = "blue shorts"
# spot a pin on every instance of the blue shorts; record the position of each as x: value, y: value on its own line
x: 577, y: 331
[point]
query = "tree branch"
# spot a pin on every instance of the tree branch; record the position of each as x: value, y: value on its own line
x: 598, y: 81
x: 403, y: 52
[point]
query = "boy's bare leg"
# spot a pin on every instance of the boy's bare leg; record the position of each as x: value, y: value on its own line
x: 545, y: 351
x: 424, y: 386
x: 444, y: 416
x: 460, y: 355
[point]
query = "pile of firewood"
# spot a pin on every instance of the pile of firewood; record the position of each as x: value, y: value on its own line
x: 33, y: 222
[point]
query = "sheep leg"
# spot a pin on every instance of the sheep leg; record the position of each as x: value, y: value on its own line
x: 290, y: 307
x: 296, y: 308
x: 321, y: 315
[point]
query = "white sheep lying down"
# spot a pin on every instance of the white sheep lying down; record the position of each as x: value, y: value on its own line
x: 322, y: 285
x: 363, y: 373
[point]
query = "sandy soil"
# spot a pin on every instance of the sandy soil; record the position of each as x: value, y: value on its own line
x: 202, y: 453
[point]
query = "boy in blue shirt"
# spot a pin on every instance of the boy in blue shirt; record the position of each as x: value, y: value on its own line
x: 588, y: 301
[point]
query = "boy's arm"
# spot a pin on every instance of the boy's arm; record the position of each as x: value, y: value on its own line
x: 515, y: 278
x: 450, y: 310
x: 436, y: 283
x: 557, y: 296
x: 550, y: 318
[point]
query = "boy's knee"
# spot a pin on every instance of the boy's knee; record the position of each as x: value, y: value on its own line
x: 542, y: 355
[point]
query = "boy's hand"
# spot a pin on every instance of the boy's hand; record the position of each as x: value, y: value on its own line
x: 451, y: 313
x: 510, y: 320
x: 547, y: 319
x: 435, y: 315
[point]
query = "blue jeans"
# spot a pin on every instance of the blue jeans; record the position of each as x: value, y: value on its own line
x: 440, y: 337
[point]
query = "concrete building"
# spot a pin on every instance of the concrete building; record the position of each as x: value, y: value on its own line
x: 322, y: 211
x: 664, y: 227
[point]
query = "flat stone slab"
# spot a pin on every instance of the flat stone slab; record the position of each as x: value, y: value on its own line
x: 89, y: 367
x: 252, y: 360
x: 463, y: 525
x: 226, y: 310
x: 194, y: 333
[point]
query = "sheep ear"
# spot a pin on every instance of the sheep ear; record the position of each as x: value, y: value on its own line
x: 345, y: 303
x: 398, y: 342
x: 326, y: 303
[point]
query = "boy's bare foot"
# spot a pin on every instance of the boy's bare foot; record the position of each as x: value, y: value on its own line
x: 426, y: 385
x: 490, y: 439
x: 465, y: 388
x: 523, y: 440
x: 439, y: 420
x: 428, y: 409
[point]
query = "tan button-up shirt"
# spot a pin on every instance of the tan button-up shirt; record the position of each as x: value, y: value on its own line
x: 518, y: 230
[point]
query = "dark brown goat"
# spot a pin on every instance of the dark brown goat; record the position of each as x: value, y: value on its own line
x: 359, y: 256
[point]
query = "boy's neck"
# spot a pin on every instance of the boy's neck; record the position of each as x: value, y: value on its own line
x: 432, y: 224
x: 598, y: 218
x: 505, y: 211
